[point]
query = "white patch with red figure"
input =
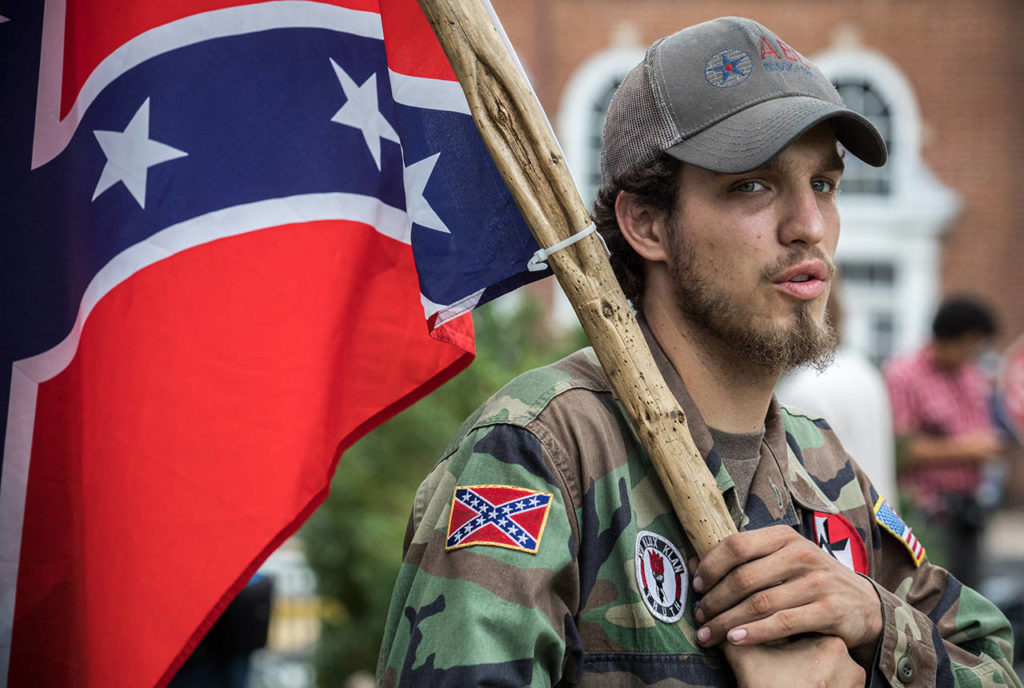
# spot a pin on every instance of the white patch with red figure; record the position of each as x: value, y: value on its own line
x: 661, y: 576
x: 837, y: 536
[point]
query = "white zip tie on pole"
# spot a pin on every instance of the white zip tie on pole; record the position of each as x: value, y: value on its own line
x: 537, y: 262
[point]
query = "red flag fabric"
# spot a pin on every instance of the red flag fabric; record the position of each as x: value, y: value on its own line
x: 226, y: 229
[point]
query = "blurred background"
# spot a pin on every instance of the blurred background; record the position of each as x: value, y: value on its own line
x: 941, y: 80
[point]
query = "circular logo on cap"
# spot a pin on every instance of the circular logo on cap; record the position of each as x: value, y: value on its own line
x: 660, y: 576
x: 728, y: 68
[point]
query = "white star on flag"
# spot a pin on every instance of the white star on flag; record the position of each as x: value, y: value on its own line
x: 362, y: 112
x: 130, y: 154
x: 416, y: 177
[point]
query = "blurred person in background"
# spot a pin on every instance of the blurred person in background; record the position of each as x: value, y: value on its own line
x: 851, y: 394
x: 945, y: 430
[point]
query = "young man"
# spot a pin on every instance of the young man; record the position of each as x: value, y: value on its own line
x: 942, y: 416
x: 543, y: 550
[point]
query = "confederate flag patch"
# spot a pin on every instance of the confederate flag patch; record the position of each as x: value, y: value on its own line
x: 497, y: 515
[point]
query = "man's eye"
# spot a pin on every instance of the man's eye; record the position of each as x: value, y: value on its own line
x: 749, y: 187
x: 823, y: 186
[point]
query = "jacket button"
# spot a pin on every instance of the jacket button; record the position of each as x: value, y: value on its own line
x: 905, y: 668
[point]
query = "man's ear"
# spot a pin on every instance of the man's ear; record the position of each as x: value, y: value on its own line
x: 645, y: 228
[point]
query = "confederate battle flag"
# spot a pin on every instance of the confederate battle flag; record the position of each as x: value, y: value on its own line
x: 236, y: 236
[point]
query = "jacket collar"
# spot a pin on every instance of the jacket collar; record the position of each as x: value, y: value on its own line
x: 780, y: 478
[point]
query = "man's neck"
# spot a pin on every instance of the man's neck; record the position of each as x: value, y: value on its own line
x: 731, y: 392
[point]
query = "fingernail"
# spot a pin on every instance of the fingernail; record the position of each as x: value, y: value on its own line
x: 699, y: 615
x: 703, y: 634
x: 737, y: 635
x: 698, y: 584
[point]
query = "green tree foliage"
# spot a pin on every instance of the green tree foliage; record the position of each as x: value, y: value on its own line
x: 354, y: 540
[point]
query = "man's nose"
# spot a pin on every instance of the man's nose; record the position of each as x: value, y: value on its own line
x: 803, y: 220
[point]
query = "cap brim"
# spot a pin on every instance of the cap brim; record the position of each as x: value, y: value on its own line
x: 755, y: 135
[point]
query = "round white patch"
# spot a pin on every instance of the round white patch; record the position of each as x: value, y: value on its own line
x: 661, y: 576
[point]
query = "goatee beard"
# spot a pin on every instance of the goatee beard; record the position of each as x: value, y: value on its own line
x: 777, y: 348
x: 807, y: 343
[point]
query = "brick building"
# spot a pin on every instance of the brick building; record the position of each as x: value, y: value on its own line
x: 940, y: 78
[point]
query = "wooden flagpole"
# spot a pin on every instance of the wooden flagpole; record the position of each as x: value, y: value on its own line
x: 516, y: 132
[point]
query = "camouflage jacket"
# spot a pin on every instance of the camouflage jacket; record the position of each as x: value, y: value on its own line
x: 542, y: 550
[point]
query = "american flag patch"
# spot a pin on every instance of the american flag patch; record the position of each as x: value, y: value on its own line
x: 887, y: 517
x: 497, y: 515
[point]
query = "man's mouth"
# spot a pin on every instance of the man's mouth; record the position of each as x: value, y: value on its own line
x: 803, y: 272
x: 803, y: 281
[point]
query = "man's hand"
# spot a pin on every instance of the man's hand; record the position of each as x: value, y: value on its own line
x: 772, y: 583
x: 977, y: 446
x: 809, y: 662
x: 982, y: 444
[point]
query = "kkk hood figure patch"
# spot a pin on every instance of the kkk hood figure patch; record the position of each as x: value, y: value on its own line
x: 661, y: 576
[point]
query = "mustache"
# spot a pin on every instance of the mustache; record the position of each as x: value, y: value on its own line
x: 795, y: 257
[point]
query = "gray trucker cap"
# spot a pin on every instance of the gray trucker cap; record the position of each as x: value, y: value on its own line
x: 726, y: 95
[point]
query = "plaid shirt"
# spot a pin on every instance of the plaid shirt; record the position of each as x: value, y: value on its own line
x: 936, y: 402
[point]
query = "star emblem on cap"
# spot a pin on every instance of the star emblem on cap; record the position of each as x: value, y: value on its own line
x: 731, y: 67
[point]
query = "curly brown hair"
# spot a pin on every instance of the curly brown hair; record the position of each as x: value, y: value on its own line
x: 655, y: 184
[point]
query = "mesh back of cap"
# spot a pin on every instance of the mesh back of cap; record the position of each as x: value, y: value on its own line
x: 637, y: 128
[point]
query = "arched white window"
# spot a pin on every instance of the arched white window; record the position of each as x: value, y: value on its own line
x: 861, y: 178
x: 582, y: 112
x: 892, y: 217
x: 580, y: 123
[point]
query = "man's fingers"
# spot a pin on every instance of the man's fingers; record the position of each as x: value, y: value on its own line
x: 753, y: 585
x: 736, y: 550
x: 778, y: 604
x: 783, y: 624
x: 761, y: 584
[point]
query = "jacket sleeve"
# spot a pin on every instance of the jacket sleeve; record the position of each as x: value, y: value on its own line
x: 472, y: 604
x: 936, y: 631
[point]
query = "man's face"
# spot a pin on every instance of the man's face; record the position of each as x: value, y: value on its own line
x: 751, y: 254
x: 959, y: 351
